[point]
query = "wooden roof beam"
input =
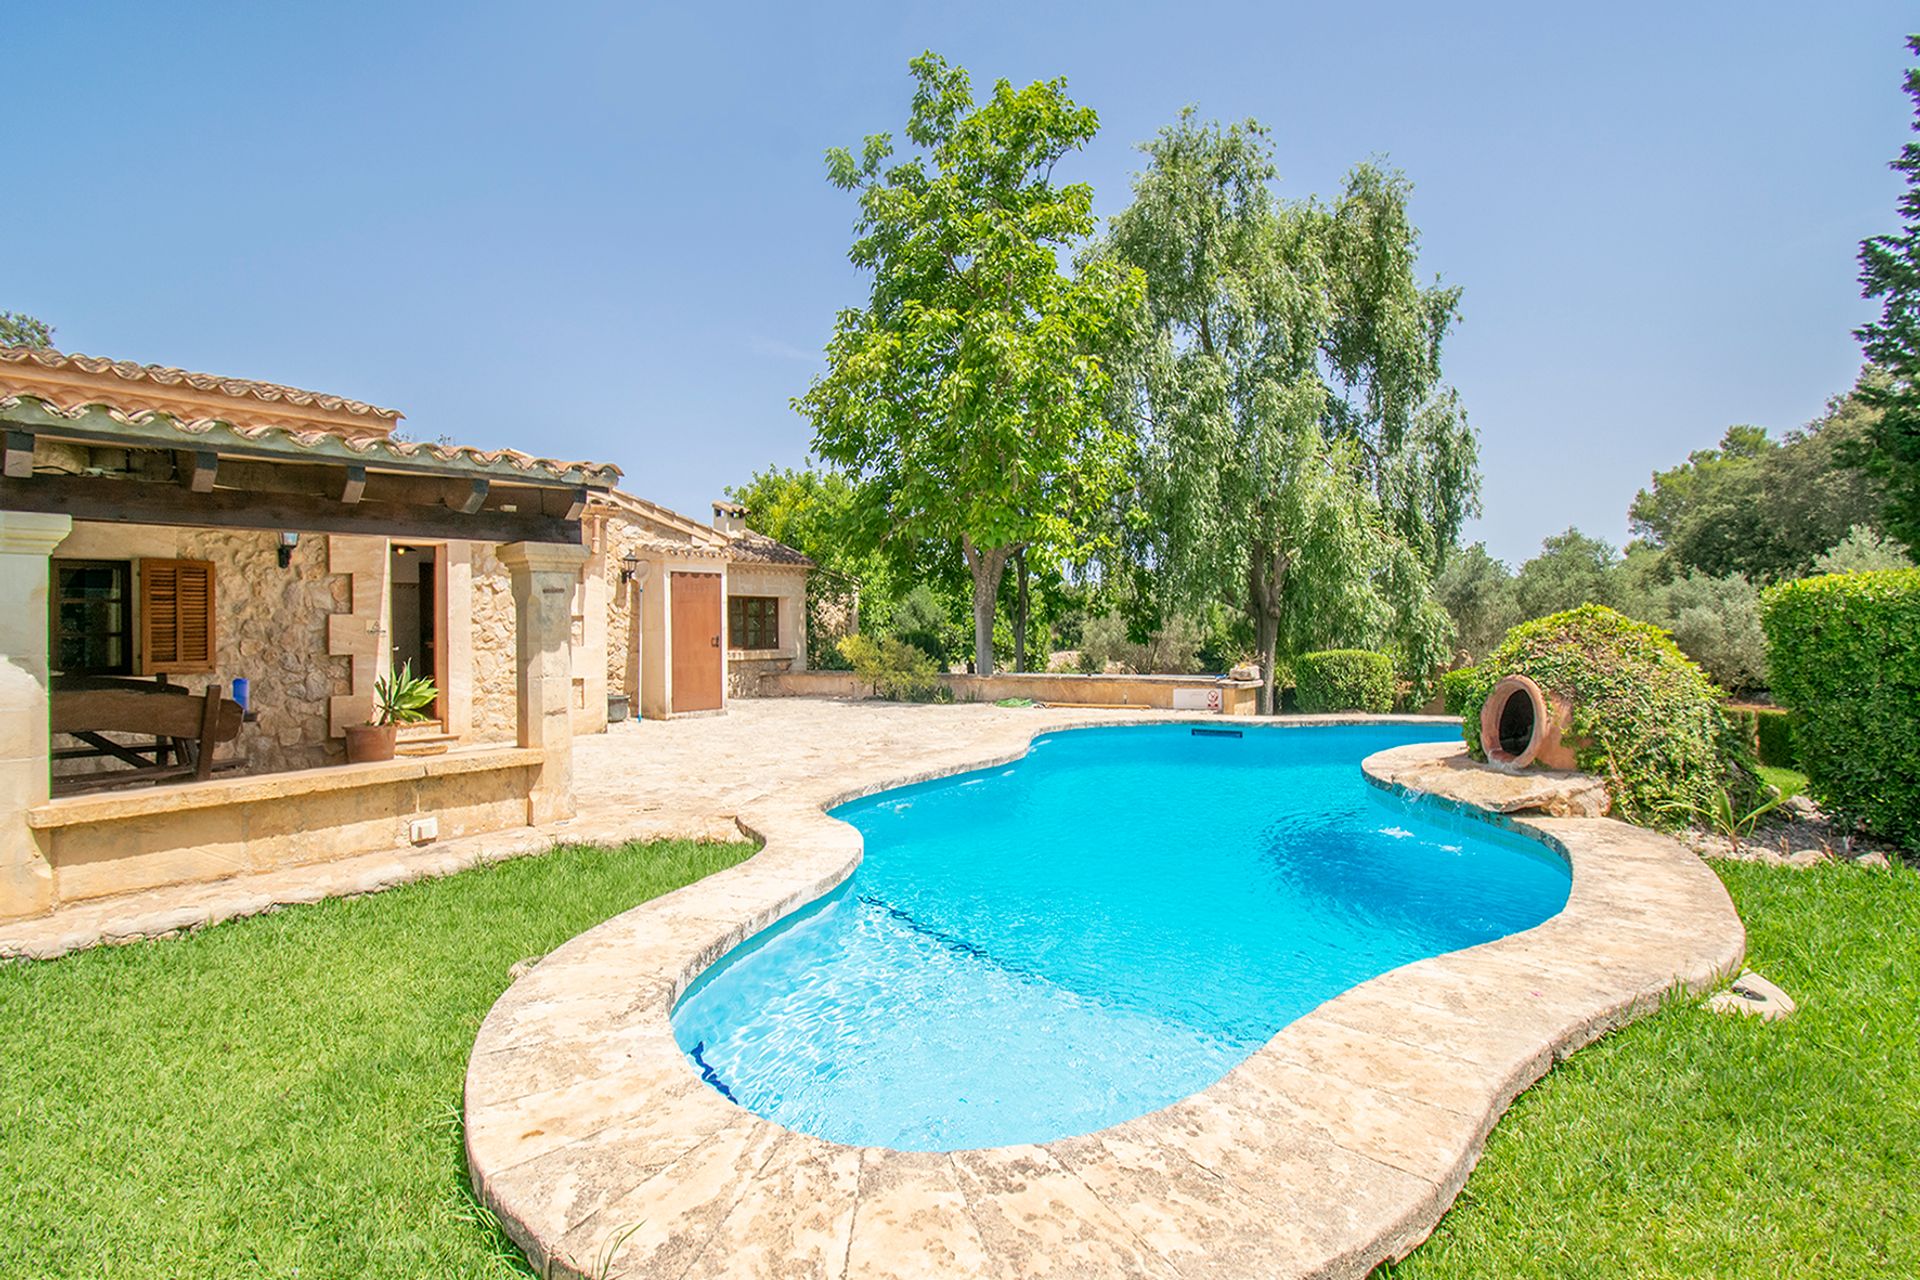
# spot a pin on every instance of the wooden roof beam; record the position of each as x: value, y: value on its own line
x: 201, y: 471
x: 19, y: 455
x: 469, y: 501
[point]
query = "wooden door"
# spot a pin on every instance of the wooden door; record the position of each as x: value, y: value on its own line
x: 697, y: 654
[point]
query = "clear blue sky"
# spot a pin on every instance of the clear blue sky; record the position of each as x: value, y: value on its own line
x: 603, y: 231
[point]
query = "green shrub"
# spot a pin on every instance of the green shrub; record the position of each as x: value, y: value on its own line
x: 1343, y: 680
x: 1456, y: 692
x: 895, y: 669
x: 1770, y: 731
x: 1773, y: 739
x: 920, y: 620
x: 1645, y: 719
x: 1844, y: 650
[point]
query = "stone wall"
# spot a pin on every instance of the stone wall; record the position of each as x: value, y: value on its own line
x: 270, y: 626
x: 142, y: 838
x: 1234, y: 697
x: 273, y: 630
x: 495, y: 706
x: 622, y: 539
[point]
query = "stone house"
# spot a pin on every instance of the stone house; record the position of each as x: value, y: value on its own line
x: 694, y: 613
x: 163, y: 532
x: 671, y: 617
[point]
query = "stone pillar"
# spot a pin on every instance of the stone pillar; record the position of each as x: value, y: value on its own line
x: 26, y: 878
x: 544, y: 576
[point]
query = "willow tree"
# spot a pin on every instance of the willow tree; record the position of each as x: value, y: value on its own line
x: 1301, y: 457
x: 967, y: 395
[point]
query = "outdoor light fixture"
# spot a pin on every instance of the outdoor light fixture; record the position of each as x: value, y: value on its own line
x: 629, y: 565
x: 288, y: 541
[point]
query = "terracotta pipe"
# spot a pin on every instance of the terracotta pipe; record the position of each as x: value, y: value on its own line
x: 1521, y: 725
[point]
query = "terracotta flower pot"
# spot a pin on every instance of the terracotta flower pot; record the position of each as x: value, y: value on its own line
x: 370, y: 743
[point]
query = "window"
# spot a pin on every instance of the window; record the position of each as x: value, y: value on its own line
x: 753, y: 622
x: 92, y: 617
x: 176, y: 616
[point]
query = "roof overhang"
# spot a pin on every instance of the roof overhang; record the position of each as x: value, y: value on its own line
x: 216, y: 474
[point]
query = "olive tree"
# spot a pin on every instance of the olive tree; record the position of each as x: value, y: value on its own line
x: 967, y: 393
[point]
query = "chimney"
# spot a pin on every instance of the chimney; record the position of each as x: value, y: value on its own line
x: 729, y: 518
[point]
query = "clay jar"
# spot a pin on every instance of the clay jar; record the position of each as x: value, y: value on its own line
x: 1521, y: 725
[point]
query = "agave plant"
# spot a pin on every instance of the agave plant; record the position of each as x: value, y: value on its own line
x: 400, y: 697
x: 1721, y: 815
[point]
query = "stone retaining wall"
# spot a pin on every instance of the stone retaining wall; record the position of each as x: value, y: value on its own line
x: 119, y: 842
x: 1236, y: 697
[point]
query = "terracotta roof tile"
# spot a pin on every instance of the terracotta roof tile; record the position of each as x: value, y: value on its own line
x: 758, y: 548
x: 167, y: 376
x: 163, y: 420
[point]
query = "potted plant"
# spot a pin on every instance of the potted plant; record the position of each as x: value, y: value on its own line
x: 398, y: 698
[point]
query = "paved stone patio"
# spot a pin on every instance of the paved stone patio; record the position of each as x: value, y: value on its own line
x: 639, y: 780
x: 1336, y: 1146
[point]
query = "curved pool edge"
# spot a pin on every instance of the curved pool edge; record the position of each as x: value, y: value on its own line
x: 1336, y: 1146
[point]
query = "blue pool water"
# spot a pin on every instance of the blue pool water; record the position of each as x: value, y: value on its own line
x: 1097, y: 930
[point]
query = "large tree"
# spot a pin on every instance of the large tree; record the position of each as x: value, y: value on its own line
x: 966, y: 394
x: 1571, y: 570
x: 1301, y: 458
x: 1477, y: 592
x: 1890, y: 271
x: 1760, y: 507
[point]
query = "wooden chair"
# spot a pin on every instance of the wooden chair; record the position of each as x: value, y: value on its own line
x: 188, y: 726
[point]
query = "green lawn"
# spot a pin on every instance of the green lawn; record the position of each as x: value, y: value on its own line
x: 1790, y: 781
x: 1697, y: 1145
x: 279, y: 1096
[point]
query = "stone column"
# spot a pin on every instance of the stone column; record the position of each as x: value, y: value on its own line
x: 26, y: 878
x: 544, y: 575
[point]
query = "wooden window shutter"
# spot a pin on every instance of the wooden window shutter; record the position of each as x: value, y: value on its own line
x: 176, y: 616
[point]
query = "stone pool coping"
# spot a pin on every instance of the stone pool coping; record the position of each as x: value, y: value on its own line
x: 1336, y: 1146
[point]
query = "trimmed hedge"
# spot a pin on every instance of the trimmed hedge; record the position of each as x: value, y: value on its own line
x: 1646, y: 720
x: 1773, y: 739
x: 1343, y: 680
x: 1844, y: 652
x: 1771, y: 730
x: 1457, y: 690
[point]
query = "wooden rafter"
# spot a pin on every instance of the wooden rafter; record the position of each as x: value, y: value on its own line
x: 204, y: 471
x: 19, y: 455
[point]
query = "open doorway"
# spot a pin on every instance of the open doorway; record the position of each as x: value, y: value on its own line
x: 413, y: 574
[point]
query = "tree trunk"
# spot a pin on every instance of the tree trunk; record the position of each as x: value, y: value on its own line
x: 1265, y: 572
x: 1266, y: 629
x: 986, y: 564
x: 1020, y: 611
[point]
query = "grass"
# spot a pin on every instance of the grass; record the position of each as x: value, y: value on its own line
x: 280, y: 1096
x: 1694, y: 1144
x: 1791, y: 782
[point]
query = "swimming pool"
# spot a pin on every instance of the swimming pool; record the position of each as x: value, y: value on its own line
x: 1103, y: 927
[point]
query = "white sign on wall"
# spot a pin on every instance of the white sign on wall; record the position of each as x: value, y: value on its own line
x: 1196, y: 699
